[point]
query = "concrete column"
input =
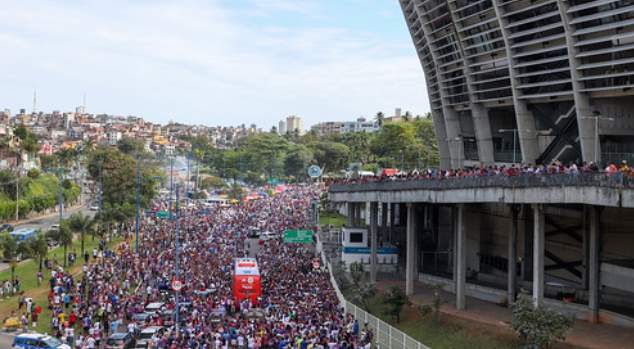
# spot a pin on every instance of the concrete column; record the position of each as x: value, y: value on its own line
x: 583, y: 108
x: 538, y: 254
x: 594, y: 263
x: 512, y: 256
x: 392, y: 220
x: 374, y: 212
x: 441, y: 135
x: 350, y: 216
x: 461, y: 257
x: 357, y: 214
x: 384, y: 227
x: 411, y: 269
x: 524, y: 118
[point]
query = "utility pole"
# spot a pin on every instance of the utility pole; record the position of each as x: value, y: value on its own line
x: 177, y: 293
x: 17, y: 196
x: 187, y: 190
x: 171, y: 185
x: 61, y: 197
x: 138, y: 202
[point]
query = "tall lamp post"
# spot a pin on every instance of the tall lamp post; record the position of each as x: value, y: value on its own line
x: 176, y: 258
x: 138, y: 203
x: 514, y: 130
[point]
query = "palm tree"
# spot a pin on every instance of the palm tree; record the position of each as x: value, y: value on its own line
x: 79, y: 223
x: 380, y: 117
x: 39, y: 248
x: 65, y: 237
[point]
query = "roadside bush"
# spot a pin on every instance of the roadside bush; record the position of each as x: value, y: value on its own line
x: 537, y: 326
x: 33, y: 173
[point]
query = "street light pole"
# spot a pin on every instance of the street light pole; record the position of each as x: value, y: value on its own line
x: 17, y: 196
x: 177, y: 293
x: 171, y: 186
x: 138, y: 203
x: 61, y: 197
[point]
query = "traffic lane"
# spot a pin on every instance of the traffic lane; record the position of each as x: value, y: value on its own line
x: 45, y: 223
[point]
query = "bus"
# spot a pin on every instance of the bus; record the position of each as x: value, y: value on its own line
x: 246, y: 279
x: 23, y: 234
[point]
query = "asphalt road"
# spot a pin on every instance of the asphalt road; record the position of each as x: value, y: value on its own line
x: 45, y: 224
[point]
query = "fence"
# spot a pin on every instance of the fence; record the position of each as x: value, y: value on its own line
x: 604, y: 180
x: 386, y: 336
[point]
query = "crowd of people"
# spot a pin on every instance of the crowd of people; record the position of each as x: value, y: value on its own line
x: 555, y: 168
x: 298, y: 307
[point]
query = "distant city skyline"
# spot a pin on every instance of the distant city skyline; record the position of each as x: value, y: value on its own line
x: 211, y: 63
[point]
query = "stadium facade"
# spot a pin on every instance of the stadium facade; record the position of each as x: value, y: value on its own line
x: 527, y: 80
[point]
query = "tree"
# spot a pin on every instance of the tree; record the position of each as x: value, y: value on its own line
x: 79, y: 223
x: 39, y: 248
x: 117, y: 171
x: 538, y: 326
x: 211, y: 182
x: 380, y: 118
x: 395, y: 300
x: 332, y: 156
x: 64, y: 236
x: 359, y: 145
x: 297, y: 160
x: 236, y: 192
x: 363, y: 291
x: 131, y: 146
x: 10, y: 252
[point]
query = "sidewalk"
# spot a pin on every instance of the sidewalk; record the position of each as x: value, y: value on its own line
x: 582, y: 335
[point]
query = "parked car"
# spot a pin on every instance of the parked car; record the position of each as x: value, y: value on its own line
x: 147, y: 334
x: 154, y: 307
x: 141, y: 318
x: 120, y: 340
x: 94, y: 207
x: 37, y: 341
x: 267, y: 235
x: 6, y: 227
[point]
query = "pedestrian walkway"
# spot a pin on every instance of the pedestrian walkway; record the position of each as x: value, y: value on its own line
x: 583, y: 334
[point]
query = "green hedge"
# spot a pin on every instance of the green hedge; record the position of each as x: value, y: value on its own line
x: 42, y: 193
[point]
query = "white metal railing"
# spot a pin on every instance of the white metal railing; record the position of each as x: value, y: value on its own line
x: 386, y: 336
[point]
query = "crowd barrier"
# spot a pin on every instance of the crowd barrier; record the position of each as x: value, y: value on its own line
x: 386, y: 335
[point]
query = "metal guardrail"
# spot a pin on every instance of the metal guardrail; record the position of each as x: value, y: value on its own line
x: 386, y: 335
x: 604, y: 180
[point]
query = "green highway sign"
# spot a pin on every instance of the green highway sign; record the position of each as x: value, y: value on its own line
x: 298, y: 236
x: 162, y: 214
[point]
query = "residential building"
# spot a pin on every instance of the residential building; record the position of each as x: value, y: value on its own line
x: 295, y: 124
x: 340, y: 127
x: 281, y: 127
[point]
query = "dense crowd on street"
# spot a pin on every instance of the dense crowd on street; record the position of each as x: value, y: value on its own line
x: 556, y: 168
x: 298, y: 307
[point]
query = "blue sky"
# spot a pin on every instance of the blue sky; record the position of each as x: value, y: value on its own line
x: 213, y: 62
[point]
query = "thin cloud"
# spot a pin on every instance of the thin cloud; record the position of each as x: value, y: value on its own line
x: 202, y: 62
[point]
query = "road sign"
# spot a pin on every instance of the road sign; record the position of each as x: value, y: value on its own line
x: 162, y: 214
x: 298, y: 236
x: 314, y: 171
x: 177, y: 285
